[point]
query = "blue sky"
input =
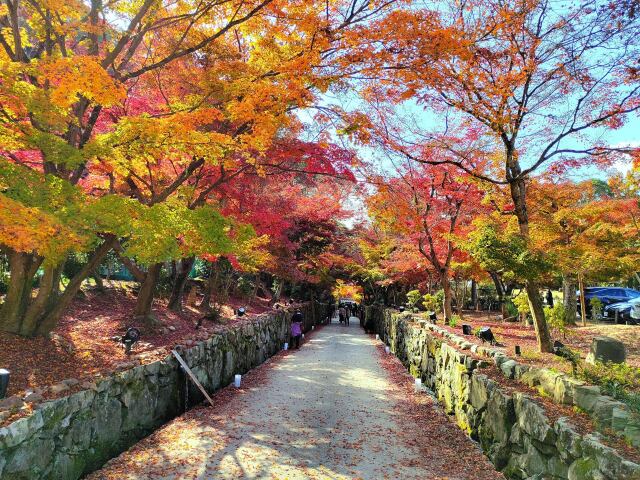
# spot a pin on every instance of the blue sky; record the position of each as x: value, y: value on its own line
x: 627, y: 135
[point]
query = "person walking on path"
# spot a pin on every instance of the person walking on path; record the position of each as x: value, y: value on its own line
x: 296, y: 329
x: 343, y: 314
x: 332, y: 311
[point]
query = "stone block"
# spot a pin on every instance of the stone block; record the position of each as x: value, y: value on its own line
x: 606, y: 349
x: 620, y: 418
x: 531, y: 419
x: 532, y: 377
x: 548, y: 379
x: 508, y: 368
x: 497, y: 419
x: 603, y: 409
x: 565, y: 387
x: 520, y: 370
x: 19, y: 431
x: 586, y: 396
x: 11, y: 403
x: 632, y: 432
x: 569, y: 442
x: 585, y: 469
x: 609, y: 462
x: 30, y: 460
x: 557, y: 468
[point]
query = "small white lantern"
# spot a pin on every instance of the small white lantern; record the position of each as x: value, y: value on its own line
x: 303, y: 336
x: 387, y: 349
x: 313, y: 327
x: 286, y: 346
x: 418, y: 384
x: 377, y: 337
x: 237, y: 380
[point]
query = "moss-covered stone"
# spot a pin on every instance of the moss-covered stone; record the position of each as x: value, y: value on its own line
x: 71, y: 436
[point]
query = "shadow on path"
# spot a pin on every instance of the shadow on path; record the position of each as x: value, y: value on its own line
x: 318, y: 412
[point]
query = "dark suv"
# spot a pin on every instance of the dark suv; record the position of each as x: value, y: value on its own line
x: 607, y: 295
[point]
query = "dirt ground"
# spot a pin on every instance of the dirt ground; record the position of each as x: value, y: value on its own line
x: 82, y: 346
x: 578, y: 338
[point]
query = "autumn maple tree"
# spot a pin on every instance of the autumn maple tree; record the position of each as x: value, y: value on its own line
x: 520, y: 85
x: 120, y: 101
x: 587, y: 235
x: 428, y: 205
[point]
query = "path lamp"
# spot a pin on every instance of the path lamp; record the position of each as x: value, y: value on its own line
x: 387, y: 349
x: 242, y: 311
x: 4, y: 382
x: 466, y: 329
x: 517, y: 350
x: 486, y: 335
x: 130, y: 338
x: 418, y: 384
x: 237, y: 380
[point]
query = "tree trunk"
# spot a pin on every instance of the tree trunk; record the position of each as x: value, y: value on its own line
x: 38, y: 316
x: 499, y: 291
x: 583, y: 306
x: 463, y: 298
x: 50, y: 319
x: 96, y: 276
x: 275, y: 297
x: 179, y: 282
x: 474, y: 294
x: 146, y: 294
x: 537, y: 312
x: 206, y: 300
x: 446, y: 287
x: 569, y: 299
x: 22, y: 269
x: 518, y: 195
x: 44, y: 302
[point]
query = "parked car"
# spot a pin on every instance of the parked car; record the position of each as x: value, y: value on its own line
x: 623, y: 312
x: 607, y: 295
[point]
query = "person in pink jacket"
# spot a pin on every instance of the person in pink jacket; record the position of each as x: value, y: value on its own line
x: 296, y: 329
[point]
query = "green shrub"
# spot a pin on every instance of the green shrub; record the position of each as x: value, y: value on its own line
x: 521, y: 301
x: 73, y: 264
x: 511, y: 309
x: 454, y: 320
x: 430, y: 303
x: 596, y: 307
x: 617, y: 380
x: 413, y: 297
x: 556, y: 318
x: 245, y: 285
x: 440, y: 298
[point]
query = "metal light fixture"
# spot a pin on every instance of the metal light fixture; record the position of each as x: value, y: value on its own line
x: 130, y: 338
x: 486, y: 335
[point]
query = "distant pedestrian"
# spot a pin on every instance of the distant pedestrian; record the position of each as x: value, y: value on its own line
x: 332, y: 311
x: 296, y: 329
x: 549, y: 298
x: 342, y: 313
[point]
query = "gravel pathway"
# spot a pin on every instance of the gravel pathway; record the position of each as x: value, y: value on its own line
x: 326, y: 411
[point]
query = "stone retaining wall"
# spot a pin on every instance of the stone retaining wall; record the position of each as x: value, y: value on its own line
x: 69, y: 437
x: 512, y: 428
